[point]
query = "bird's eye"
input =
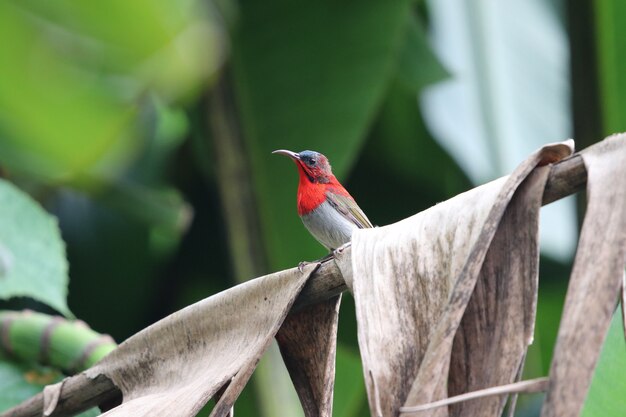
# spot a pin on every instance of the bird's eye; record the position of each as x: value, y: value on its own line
x: 312, y: 161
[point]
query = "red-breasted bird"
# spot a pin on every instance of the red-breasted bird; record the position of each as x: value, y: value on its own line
x: 327, y: 210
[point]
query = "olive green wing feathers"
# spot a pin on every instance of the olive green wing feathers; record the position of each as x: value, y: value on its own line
x: 346, y: 205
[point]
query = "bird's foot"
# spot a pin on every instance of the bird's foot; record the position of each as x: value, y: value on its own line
x: 340, y: 249
x: 302, y: 265
x: 326, y: 258
x: 332, y: 255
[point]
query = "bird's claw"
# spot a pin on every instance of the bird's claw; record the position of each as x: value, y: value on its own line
x: 331, y: 255
x: 340, y: 249
x: 301, y: 266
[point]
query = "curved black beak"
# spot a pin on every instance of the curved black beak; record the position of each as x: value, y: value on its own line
x: 292, y: 155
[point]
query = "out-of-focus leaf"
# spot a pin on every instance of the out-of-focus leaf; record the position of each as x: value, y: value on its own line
x: 167, y: 128
x: 163, y: 211
x: 418, y: 65
x: 549, y: 309
x: 349, y: 386
x: 611, y: 41
x: 402, y: 146
x: 175, y: 46
x: 73, y: 72
x: 55, y: 121
x: 112, y: 259
x: 18, y: 382
x: 309, y: 75
x: 606, y: 395
x: 275, y: 392
x: 32, y: 253
x: 508, y: 94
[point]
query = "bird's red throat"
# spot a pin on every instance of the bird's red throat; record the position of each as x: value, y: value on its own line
x: 312, y: 194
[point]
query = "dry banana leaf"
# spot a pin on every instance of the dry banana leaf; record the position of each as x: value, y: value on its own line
x: 498, y: 323
x: 595, y: 282
x: 176, y: 365
x: 308, y: 344
x: 412, y: 282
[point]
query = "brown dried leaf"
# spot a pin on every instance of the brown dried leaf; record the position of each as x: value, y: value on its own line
x: 308, y: 344
x: 498, y: 323
x: 412, y: 281
x: 176, y: 365
x: 595, y: 281
x: 400, y: 291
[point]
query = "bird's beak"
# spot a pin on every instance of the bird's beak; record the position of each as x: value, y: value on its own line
x: 292, y: 155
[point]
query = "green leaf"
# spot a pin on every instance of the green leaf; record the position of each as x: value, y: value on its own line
x: 80, y: 115
x: 176, y: 46
x: 611, y: 46
x: 55, y: 123
x: 19, y: 382
x: 400, y: 145
x: 349, y: 395
x: 418, y: 66
x: 309, y: 75
x: 33, y: 253
x: 163, y: 209
x: 606, y: 395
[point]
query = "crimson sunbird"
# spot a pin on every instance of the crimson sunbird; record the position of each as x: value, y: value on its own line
x: 327, y: 210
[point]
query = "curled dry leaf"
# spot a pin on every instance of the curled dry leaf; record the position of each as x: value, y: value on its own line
x: 51, y: 394
x: 413, y: 280
x: 498, y: 323
x: 308, y: 344
x: 176, y: 365
x: 595, y: 281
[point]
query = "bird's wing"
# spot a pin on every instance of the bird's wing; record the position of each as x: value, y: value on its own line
x: 346, y: 205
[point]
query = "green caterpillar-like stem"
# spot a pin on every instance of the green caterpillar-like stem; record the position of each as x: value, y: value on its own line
x: 68, y: 345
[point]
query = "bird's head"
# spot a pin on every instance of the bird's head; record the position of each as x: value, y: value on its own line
x: 312, y: 165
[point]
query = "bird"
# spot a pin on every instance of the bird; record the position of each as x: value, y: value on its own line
x: 326, y: 208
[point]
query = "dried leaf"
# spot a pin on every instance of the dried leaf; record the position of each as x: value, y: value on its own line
x: 412, y: 281
x: 498, y: 323
x: 51, y: 394
x: 431, y: 380
x: 308, y: 344
x: 176, y: 365
x: 400, y: 291
x: 595, y: 281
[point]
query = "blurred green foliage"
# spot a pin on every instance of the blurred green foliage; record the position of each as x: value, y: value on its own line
x: 32, y: 253
x: 21, y: 381
x: 606, y: 395
x: 611, y: 56
x: 105, y: 121
x: 75, y: 72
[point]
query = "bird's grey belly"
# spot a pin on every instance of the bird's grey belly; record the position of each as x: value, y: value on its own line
x: 328, y: 226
